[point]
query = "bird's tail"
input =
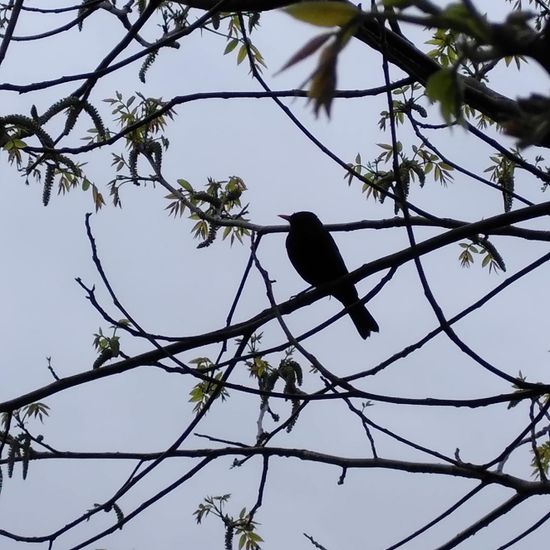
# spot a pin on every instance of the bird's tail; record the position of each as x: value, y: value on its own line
x: 363, y: 320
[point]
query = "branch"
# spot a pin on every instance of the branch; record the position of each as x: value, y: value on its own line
x: 439, y: 518
x: 526, y: 532
x: 181, y: 100
x: 482, y: 301
x: 484, y: 521
x: 16, y: 10
x: 400, y: 52
x: 254, y: 323
x: 466, y: 471
x: 86, y: 88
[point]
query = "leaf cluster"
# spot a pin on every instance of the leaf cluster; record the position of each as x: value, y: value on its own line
x: 288, y: 371
x: 502, y: 171
x: 18, y: 445
x: 107, y: 346
x: 237, y: 43
x: 377, y: 180
x: 541, y: 459
x: 323, y: 80
x: 243, y: 525
x: 220, y: 201
x: 491, y: 257
x: 207, y: 390
x: 144, y: 119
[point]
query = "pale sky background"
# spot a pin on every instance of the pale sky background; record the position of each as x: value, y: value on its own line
x: 173, y: 288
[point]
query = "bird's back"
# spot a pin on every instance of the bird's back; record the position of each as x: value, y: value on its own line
x: 315, y: 256
x: 313, y: 252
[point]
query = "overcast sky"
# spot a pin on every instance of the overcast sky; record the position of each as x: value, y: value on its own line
x: 173, y: 288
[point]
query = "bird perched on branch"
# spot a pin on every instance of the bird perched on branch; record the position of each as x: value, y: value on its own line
x: 315, y: 256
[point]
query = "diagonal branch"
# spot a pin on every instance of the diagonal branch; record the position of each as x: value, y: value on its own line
x: 252, y: 324
x: 399, y: 52
x: 498, y: 512
x: 6, y: 41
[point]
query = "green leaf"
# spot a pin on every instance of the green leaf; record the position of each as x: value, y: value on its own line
x: 231, y: 45
x: 443, y: 86
x: 323, y: 14
x: 196, y: 394
x: 242, y: 54
x: 186, y: 185
x: 323, y: 82
x: 305, y: 51
x: 459, y: 18
x: 14, y: 144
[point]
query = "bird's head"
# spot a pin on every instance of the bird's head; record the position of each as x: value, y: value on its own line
x: 301, y: 218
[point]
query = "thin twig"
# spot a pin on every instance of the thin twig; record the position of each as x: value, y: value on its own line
x: 6, y: 41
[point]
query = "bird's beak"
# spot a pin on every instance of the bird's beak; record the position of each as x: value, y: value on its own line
x: 285, y: 217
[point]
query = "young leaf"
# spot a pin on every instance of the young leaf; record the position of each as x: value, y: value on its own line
x: 309, y: 48
x: 231, y: 45
x: 242, y: 54
x: 443, y: 86
x: 324, y: 14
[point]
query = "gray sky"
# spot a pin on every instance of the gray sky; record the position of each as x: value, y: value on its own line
x: 173, y: 288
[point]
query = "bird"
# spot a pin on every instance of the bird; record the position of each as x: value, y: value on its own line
x: 315, y: 256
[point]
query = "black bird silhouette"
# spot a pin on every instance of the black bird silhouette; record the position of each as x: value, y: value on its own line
x: 315, y: 256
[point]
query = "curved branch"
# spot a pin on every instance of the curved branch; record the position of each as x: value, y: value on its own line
x: 6, y: 40
x: 498, y: 512
x: 439, y: 518
x: 400, y: 52
x: 251, y: 325
x: 466, y: 471
x: 181, y: 100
